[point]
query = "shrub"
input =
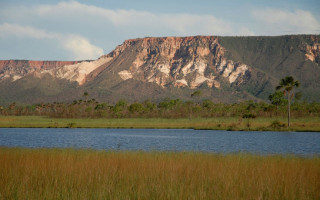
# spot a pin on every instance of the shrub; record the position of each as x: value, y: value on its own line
x: 276, y: 124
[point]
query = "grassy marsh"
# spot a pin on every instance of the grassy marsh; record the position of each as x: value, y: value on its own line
x: 88, y: 174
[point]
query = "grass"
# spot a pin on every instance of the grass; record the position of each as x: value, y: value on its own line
x: 88, y: 174
x: 220, y: 123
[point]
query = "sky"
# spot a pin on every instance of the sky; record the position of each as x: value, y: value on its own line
x: 82, y: 30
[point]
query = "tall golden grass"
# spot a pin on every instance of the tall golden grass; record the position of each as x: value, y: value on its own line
x: 88, y: 174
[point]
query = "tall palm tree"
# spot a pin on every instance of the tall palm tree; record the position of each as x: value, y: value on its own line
x: 287, y: 85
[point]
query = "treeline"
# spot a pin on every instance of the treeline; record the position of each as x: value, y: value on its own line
x: 168, y: 108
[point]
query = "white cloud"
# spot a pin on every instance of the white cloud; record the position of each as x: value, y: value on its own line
x: 82, y: 49
x: 195, y: 24
x: 296, y: 22
x: 25, y: 32
x: 181, y: 23
x: 78, y: 46
x: 63, y: 21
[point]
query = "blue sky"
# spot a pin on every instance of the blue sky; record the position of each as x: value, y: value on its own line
x: 78, y: 30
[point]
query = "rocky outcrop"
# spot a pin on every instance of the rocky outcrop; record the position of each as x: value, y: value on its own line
x: 34, y: 64
x: 77, y: 72
x: 181, y: 62
x: 243, y: 68
x: 70, y: 70
x: 178, y: 61
x: 312, y: 49
x: 312, y: 52
x: 16, y: 69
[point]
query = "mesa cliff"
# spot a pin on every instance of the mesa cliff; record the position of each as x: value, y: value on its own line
x: 227, y: 69
x: 17, y: 69
x: 178, y: 61
x: 181, y: 62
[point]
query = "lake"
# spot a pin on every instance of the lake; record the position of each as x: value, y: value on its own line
x: 297, y: 143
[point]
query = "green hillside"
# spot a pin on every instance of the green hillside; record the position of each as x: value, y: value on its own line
x: 278, y: 57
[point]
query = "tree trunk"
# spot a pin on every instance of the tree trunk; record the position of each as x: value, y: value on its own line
x: 289, y: 110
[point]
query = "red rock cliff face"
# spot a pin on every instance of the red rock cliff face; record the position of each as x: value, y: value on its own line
x: 34, y: 64
x: 176, y: 61
x: 19, y: 68
x: 180, y: 61
x: 313, y: 52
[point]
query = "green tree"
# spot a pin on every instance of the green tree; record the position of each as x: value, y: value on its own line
x: 169, y: 104
x: 136, y: 108
x: 149, y: 106
x: 120, y: 108
x: 1, y: 110
x: 208, y: 104
x: 287, y: 86
x: 121, y: 104
x: 86, y: 94
x: 248, y: 114
x: 101, y: 106
x: 277, y: 98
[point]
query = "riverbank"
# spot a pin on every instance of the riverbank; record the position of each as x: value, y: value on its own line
x: 219, y: 123
x: 88, y: 174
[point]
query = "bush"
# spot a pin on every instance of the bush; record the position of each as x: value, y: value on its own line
x: 136, y: 107
x: 276, y: 124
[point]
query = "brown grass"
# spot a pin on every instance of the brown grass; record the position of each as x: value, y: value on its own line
x: 88, y: 174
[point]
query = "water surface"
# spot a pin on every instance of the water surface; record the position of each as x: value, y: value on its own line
x: 298, y: 143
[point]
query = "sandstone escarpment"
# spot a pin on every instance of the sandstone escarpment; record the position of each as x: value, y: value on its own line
x: 243, y: 68
x: 70, y: 70
x: 16, y: 69
x: 313, y: 52
x: 181, y: 62
x: 34, y: 64
x: 177, y: 61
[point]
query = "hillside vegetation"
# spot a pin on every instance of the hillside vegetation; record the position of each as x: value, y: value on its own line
x: 170, y: 113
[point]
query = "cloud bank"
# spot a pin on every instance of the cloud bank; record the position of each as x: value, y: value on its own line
x: 291, y: 22
x: 79, y: 47
x: 181, y: 23
x: 82, y: 30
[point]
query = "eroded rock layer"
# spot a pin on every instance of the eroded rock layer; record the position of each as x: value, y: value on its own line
x: 178, y: 61
x: 226, y: 69
x: 181, y: 61
x: 69, y: 70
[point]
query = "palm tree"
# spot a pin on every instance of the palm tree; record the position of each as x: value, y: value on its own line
x: 287, y: 84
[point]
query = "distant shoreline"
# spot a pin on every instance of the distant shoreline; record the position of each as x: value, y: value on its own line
x: 305, y: 124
